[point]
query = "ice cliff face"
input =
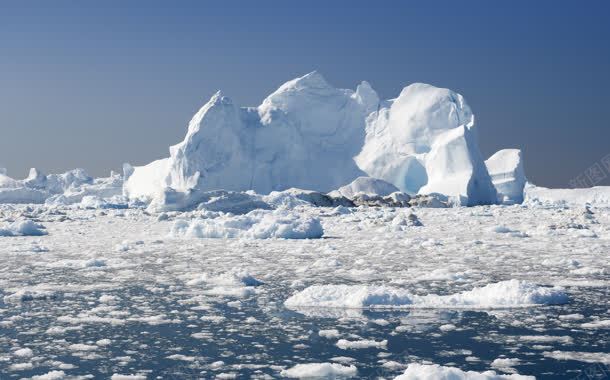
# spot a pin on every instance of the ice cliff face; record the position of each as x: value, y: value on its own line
x: 310, y: 135
x: 508, y: 175
x: 425, y: 142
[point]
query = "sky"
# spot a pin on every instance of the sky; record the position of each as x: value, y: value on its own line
x: 95, y: 84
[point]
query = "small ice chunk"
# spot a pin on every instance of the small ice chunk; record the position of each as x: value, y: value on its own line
x: 320, y: 370
x: 345, y: 344
x: 417, y: 371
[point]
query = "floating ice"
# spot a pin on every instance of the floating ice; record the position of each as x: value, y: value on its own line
x: 25, y: 295
x: 596, y: 196
x: 320, y: 370
x: 58, y: 189
x: 233, y: 278
x: 507, y: 175
x: 345, y: 344
x: 257, y: 224
x: 51, y: 375
x: 434, y: 372
x: 367, y: 185
x: 504, y: 294
x: 587, y: 357
x: 22, y: 228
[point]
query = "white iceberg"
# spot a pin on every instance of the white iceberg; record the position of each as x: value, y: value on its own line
x: 507, y: 175
x: 424, y: 141
x: 310, y: 135
x: 58, y: 189
x: 598, y: 196
x: 303, y: 135
x: 456, y: 168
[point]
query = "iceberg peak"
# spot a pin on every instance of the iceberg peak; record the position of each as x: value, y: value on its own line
x: 312, y: 82
x: 367, y: 97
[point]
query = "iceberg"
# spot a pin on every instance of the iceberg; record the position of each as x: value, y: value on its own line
x: 425, y: 142
x: 507, y: 175
x: 310, y: 135
x: 456, y: 168
x: 58, y: 189
x: 304, y: 135
x: 598, y: 196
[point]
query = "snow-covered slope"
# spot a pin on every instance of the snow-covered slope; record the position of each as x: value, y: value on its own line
x: 311, y: 135
x: 507, y: 174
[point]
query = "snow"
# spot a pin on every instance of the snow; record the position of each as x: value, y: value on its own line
x: 435, y: 372
x: 596, y: 196
x: 511, y: 293
x: 507, y: 175
x: 320, y: 370
x: 257, y: 224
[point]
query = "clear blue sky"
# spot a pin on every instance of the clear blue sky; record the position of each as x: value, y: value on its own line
x: 95, y: 84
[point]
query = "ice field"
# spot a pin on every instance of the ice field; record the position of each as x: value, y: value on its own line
x: 111, y: 292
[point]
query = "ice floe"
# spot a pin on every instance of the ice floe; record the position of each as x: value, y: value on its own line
x: 434, y: 372
x: 504, y: 294
x: 257, y: 224
x: 320, y: 371
x: 22, y: 228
